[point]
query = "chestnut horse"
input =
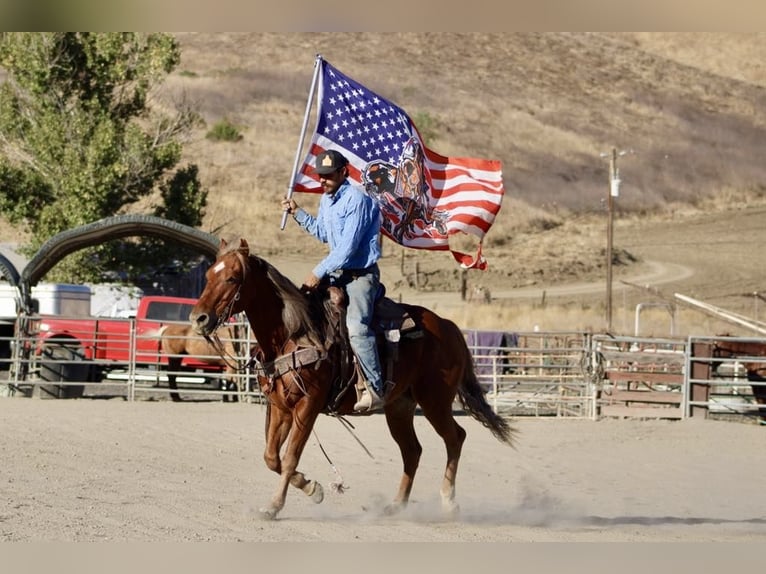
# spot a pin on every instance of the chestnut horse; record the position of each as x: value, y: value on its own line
x: 300, y: 362
x: 178, y: 340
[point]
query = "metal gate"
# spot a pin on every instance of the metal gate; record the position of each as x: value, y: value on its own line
x: 541, y: 374
x: 537, y: 373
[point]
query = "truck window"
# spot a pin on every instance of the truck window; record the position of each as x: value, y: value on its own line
x: 164, y: 311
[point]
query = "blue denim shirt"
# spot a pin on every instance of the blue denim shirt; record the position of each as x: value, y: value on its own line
x: 349, y: 221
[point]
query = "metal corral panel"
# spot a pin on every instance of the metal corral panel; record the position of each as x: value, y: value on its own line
x: 537, y: 374
x: 643, y: 377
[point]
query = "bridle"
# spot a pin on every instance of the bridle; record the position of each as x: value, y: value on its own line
x: 215, y: 341
x: 224, y: 317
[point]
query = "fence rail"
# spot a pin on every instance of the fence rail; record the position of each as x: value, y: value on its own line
x: 541, y: 374
x: 60, y: 369
x: 597, y: 375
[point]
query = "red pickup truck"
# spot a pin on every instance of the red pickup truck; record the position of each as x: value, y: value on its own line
x: 91, y: 349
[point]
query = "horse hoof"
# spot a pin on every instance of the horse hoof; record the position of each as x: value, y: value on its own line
x: 391, y: 509
x: 316, y: 494
x: 451, y: 509
x: 267, y: 513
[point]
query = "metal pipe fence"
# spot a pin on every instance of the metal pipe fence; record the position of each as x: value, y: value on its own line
x: 66, y: 368
x: 726, y: 377
x: 539, y: 374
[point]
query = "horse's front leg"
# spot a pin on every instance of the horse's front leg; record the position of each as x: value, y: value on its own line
x: 293, y: 428
x: 174, y: 365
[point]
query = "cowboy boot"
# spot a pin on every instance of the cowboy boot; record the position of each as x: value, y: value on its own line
x: 369, y: 401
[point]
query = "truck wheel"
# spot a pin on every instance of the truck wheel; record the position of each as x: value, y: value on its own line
x: 62, y: 363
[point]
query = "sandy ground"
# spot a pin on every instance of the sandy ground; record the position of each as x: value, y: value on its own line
x: 111, y: 470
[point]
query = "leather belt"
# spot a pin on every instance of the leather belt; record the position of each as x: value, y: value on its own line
x: 360, y: 272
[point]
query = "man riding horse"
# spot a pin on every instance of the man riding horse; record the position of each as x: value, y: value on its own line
x: 349, y: 221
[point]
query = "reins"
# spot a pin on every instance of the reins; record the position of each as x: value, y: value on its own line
x: 348, y: 426
x: 226, y: 357
x: 339, y: 486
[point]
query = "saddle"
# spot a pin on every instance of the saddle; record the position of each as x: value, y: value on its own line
x: 391, y: 323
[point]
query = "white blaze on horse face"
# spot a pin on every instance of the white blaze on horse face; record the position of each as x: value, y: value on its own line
x: 219, y: 267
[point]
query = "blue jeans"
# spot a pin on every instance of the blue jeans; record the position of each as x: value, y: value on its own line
x: 361, y: 291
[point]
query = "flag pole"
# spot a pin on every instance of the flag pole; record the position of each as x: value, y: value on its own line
x: 312, y: 90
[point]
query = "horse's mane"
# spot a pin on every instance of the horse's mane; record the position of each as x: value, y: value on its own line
x: 303, y: 316
x: 303, y: 319
x: 296, y: 314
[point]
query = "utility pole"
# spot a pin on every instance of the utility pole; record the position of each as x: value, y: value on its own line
x: 614, y: 191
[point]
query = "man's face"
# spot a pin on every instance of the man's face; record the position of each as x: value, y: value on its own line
x: 331, y: 181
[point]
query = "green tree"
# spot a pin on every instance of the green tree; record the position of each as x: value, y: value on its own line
x: 80, y: 142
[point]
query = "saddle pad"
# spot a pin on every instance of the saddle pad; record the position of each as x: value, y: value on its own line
x: 390, y: 315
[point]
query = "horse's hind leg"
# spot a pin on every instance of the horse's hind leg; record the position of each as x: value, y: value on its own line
x: 400, y: 419
x: 441, y: 418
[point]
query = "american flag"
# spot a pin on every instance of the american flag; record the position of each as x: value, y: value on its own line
x: 424, y: 197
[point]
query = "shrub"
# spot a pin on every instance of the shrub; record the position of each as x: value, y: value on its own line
x: 224, y: 131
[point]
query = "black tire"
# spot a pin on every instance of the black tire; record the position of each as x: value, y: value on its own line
x: 62, y: 363
x: 8, y: 270
x: 129, y: 225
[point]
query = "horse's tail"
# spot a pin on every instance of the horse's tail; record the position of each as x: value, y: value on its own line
x: 473, y: 401
x: 154, y: 333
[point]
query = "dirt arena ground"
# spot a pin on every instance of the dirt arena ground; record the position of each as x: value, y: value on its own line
x: 85, y: 470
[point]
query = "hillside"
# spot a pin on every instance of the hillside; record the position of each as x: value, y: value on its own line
x: 686, y: 107
x: 545, y: 104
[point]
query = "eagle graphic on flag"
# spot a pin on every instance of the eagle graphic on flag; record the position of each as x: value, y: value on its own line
x: 402, y: 191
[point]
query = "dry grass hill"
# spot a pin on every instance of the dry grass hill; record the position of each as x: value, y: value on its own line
x: 687, y: 108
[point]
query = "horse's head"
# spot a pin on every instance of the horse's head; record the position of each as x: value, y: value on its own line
x: 221, y: 297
